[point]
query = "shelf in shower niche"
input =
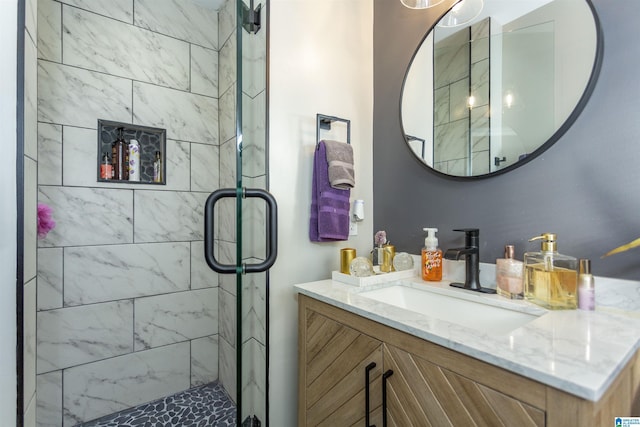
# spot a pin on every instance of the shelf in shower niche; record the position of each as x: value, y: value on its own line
x: 151, y: 140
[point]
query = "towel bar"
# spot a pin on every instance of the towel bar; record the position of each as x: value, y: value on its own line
x: 324, y: 122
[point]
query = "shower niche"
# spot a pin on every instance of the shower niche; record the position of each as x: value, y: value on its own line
x: 152, y: 149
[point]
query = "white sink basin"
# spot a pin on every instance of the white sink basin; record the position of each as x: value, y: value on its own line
x: 459, y: 309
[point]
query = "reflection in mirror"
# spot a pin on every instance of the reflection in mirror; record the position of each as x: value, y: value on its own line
x: 480, y: 98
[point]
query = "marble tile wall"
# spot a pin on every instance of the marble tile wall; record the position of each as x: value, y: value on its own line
x: 461, y: 70
x: 30, y: 181
x: 127, y: 309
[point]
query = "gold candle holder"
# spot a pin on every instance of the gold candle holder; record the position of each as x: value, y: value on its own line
x: 388, y: 252
x: 346, y: 256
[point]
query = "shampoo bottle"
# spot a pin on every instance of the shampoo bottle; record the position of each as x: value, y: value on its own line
x: 119, y: 157
x: 550, y: 278
x: 509, y: 275
x: 157, y: 168
x: 431, y: 257
x: 134, y: 160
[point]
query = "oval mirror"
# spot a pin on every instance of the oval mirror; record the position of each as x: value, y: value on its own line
x: 486, y: 96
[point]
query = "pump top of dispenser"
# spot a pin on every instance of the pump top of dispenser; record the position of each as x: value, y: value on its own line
x: 548, y: 242
x: 431, y: 241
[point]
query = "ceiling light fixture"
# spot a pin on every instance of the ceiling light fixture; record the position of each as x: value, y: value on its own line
x: 462, y: 13
x: 420, y: 4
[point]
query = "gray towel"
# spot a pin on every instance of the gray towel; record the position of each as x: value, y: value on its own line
x: 340, y: 160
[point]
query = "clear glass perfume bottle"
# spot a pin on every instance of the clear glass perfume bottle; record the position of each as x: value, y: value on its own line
x: 550, y: 278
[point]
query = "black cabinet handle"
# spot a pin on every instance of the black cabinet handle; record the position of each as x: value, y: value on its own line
x: 367, y: 370
x: 384, y: 396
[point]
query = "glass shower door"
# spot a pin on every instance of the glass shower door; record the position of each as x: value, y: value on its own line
x: 240, y: 232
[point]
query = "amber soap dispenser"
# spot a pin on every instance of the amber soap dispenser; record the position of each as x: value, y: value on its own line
x: 550, y: 278
x: 431, y: 257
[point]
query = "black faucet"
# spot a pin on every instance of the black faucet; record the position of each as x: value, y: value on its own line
x: 471, y: 252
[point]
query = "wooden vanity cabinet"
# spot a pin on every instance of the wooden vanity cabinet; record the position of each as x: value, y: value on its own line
x: 430, y: 385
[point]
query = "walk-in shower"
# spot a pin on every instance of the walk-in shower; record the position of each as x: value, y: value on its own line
x: 131, y: 322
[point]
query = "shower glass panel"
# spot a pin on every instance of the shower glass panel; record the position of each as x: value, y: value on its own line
x: 251, y: 215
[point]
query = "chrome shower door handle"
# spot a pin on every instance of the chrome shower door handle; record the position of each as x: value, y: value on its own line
x: 271, y: 230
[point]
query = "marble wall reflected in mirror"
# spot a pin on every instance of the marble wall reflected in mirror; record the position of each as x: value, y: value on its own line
x: 485, y: 97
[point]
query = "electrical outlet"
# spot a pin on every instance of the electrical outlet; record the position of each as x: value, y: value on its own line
x: 353, y: 228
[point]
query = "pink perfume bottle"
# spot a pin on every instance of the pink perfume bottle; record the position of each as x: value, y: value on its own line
x: 509, y: 274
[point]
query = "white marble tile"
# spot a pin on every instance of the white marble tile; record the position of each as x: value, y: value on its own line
x: 50, y: 30
x: 202, y: 276
x: 30, y: 218
x: 254, y: 307
x: 480, y: 40
x: 205, y: 167
x: 108, y: 386
x: 30, y: 99
x: 204, y: 71
x: 480, y: 162
x: 227, y: 65
x: 227, y: 317
x: 480, y: 82
x: 31, y: 17
x: 458, y: 167
x: 121, y: 10
x: 184, y: 20
x: 254, y: 226
x: 77, y: 335
x: 228, y: 164
x: 88, y: 216
x: 186, y: 116
x: 169, y: 216
x: 49, y: 399
x: 451, y: 58
x: 227, y: 368
x: 227, y: 255
x: 226, y: 21
x: 50, y: 278
x: 480, y: 132
x: 171, y: 318
x: 441, y: 106
x: 80, y: 169
x: 77, y: 97
x: 254, y: 58
x: 29, y: 336
x: 459, y: 100
x: 204, y: 360
x: 30, y: 413
x: 226, y: 220
x: 254, y: 379
x: 254, y: 135
x: 49, y: 154
x: 102, y: 44
x: 452, y: 141
x: 107, y: 273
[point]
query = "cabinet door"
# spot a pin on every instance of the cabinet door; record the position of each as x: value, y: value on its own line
x: 333, y: 383
x: 420, y: 393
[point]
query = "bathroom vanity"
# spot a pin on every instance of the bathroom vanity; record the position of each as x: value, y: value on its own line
x: 363, y: 353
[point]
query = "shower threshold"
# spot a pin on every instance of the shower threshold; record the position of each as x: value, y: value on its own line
x: 207, y: 405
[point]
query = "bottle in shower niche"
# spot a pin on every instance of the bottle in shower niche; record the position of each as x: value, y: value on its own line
x: 550, y: 278
x: 157, y: 168
x: 509, y: 273
x: 134, y: 160
x: 119, y: 157
x: 106, y: 169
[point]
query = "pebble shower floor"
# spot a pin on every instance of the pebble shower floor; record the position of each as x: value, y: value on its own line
x: 207, y: 405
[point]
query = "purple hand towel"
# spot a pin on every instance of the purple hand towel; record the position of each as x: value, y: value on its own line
x: 329, y: 219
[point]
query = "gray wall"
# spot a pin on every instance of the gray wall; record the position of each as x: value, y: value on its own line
x: 584, y: 187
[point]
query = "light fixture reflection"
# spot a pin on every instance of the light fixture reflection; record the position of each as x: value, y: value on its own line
x: 420, y: 4
x: 462, y: 13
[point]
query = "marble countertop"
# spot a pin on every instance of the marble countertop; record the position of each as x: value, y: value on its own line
x: 579, y: 352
